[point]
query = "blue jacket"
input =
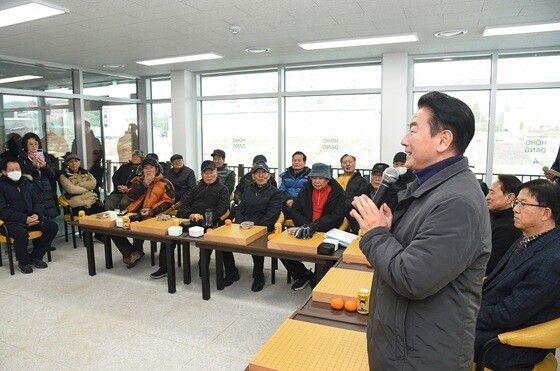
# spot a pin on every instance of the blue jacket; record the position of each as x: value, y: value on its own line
x: 18, y: 200
x: 291, y: 184
x: 518, y: 294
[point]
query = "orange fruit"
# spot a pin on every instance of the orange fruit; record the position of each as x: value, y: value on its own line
x: 271, y: 236
x: 227, y: 222
x: 337, y: 303
x: 351, y: 305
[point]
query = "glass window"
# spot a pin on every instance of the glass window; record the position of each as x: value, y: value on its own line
x: 452, y: 71
x: 527, y: 131
x: 162, y: 130
x: 161, y: 88
x: 59, y: 119
x: 35, y: 77
x: 21, y: 115
x: 523, y: 68
x: 334, y: 78
x: 326, y: 127
x: 479, y: 103
x: 240, y: 83
x: 242, y: 128
x: 109, y: 86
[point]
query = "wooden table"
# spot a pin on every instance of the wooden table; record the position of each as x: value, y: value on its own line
x: 322, y: 313
x: 258, y: 247
x: 170, y: 241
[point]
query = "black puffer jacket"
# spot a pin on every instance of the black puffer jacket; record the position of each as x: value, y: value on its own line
x: 214, y: 196
x: 357, y: 186
x: 260, y: 205
x: 42, y: 183
x: 124, y: 175
x: 18, y: 200
x: 333, y: 211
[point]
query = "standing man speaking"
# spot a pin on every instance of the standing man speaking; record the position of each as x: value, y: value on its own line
x: 429, y: 255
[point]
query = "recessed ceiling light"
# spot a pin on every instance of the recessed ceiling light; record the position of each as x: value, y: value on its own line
x: 519, y: 29
x: 113, y: 66
x: 185, y: 58
x: 257, y: 50
x: 19, y: 78
x: 447, y: 59
x: 450, y: 33
x: 344, y: 43
x: 28, y: 12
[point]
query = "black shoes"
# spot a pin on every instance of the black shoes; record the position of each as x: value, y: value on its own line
x: 229, y: 279
x: 258, y: 283
x: 303, y: 281
x: 160, y: 273
x: 38, y: 263
x: 26, y: 269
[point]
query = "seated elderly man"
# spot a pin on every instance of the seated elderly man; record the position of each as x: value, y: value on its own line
x: 375, y: 178
x: 499, y: 200
x: 319, y: 207
x: 524, y: 288
x: 121, y: 182
x: 78, y: 186
x: 247, y: 179
x: 208, y: 194
x: 182, y: 177
x: 150, y: 194
x: 22, y: 212
x: 261, y: 203
x: 354, y: 184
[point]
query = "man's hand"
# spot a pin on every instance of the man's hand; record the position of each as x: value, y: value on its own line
x: 369, y: 216
x: 32, y: 220
x: 176, y: 205
x: 149, y: 179
x: 122, y: 188
x: 146, y: 212
x: 548, y: 175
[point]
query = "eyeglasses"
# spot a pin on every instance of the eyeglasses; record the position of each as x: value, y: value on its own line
x: 522, y: 204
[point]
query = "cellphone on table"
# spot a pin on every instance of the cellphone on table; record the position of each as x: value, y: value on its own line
x: 40, y: 154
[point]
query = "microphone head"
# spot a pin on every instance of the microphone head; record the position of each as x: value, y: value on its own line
x: 390, y: 175
x: 545, y: 168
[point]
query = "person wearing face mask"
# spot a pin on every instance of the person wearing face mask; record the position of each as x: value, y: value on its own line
x: 406, y: 176
x: 22, y: 211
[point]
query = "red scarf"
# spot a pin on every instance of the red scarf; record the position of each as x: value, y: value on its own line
x: 319, y: 198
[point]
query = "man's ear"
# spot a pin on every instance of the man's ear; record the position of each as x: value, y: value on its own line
x: 445, y: 140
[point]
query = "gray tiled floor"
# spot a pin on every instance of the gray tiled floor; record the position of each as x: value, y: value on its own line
x: 60, y: 318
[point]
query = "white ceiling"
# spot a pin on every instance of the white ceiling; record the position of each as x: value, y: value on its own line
x: 97, y: 32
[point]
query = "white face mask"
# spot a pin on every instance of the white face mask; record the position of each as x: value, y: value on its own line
x: 14, y: 175
x: 401, y: 170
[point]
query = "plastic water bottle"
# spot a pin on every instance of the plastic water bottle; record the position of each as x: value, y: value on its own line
x: 208, y: 218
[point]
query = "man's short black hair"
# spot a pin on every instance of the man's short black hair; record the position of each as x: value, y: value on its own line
x: 300, y: 153
x: 547, y: 194
x: 452, y: 114
x: 7, y: 160
x: 510, y: 184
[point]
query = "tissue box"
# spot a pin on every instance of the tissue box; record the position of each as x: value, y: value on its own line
x: 175, y: 231
x: 196, y: 231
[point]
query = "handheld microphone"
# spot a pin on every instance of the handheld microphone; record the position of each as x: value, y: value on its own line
x: 553, y: 172
x: 390, y: 176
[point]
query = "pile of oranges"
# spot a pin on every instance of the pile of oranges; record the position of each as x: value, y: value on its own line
x: 350, y: 305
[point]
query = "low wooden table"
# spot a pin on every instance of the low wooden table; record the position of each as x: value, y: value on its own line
x: 322, y: 313
x: 259, y: 247
x: 170, y: 241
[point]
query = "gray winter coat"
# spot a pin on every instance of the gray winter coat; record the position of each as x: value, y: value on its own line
x: 428, y: 274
